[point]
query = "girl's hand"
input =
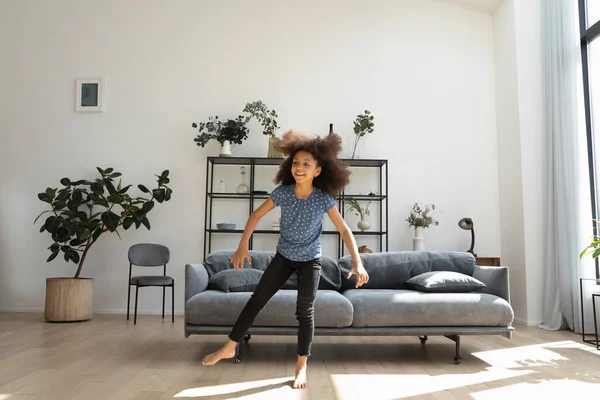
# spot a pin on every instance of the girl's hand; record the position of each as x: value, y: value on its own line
x: 361, y: 274
x: 238, y: 258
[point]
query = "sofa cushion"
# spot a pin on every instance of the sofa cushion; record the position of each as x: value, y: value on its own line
x: 233, y: 280
x: 444, y: 281
x: 390, y: 270
x: 331, y: 276
x: 392, y: 308
x: 221, y: 260
x: 217, y: 308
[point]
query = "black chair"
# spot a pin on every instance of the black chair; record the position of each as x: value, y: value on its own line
x: 150, y: 255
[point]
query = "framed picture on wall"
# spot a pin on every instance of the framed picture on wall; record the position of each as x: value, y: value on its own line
x: 89, y: 95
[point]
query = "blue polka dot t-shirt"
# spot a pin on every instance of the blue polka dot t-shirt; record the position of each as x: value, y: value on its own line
x: 301, y: 222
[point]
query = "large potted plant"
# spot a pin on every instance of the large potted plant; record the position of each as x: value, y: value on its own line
x: 226, y: 133
x: 268, y: 120
x: 80, y: 212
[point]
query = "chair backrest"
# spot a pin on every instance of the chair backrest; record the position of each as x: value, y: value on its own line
x: 149, y: 254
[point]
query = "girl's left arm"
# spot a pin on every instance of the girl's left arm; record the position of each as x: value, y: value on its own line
x: 357, y: 268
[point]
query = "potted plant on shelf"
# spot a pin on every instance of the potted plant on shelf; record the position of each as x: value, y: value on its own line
x: 226, y: 133
x: 363, y: 124
x: 421, y: 218
x: 80, y: 212
x: 353, y: 205
x: 268, y: 120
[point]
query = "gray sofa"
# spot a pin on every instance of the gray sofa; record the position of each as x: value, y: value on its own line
x: 391, y: 303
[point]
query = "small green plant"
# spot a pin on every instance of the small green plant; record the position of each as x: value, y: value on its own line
x: 267, y: 118
x: 593, y: 247
x: 421, y: 216
x: 352, y: 205
x: 363, y: 124
x: 81, y: 211
x: 234, y: 130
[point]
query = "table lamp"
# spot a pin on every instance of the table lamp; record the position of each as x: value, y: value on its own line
x: 467, y: 224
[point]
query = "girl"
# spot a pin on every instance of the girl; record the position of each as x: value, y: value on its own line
x: 310, y: 176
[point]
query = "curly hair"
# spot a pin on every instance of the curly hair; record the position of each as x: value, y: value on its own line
x: 334, y: 175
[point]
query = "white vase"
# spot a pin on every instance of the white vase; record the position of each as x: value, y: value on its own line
x: 364, y: 224
x: 418, y: 231
x: 225, y: 149
x: 418, y: 242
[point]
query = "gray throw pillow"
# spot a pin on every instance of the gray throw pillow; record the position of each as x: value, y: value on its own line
x: 233, y: 280
x: 444, y: 281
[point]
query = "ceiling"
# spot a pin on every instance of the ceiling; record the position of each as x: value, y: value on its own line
x: 482, y: 5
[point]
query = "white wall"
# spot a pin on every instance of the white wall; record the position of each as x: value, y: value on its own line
x: 510, y: 172
x: 425, y: 69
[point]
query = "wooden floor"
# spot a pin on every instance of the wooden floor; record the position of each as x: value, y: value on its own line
x: 110, y: 358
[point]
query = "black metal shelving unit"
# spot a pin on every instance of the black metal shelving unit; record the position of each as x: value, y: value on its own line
x: 252, y: 162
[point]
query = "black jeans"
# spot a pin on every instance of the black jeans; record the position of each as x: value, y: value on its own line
x: 279, y: 270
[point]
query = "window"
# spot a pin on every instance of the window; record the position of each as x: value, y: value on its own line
x: 593, y: 12
x: 594, y: 94
x: 589, y: 23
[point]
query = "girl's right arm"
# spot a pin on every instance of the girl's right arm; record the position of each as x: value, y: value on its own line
x: 242, y: 250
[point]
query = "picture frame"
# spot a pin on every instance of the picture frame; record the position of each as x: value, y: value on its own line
x: 89, y: 95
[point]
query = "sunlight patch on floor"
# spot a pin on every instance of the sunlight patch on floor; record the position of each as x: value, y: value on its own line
x: 395, y: 386
x: 503, y: 364
x: 5, y: 396
x: 555, y: 389
x: 530, y: 356
x: 239, y: 388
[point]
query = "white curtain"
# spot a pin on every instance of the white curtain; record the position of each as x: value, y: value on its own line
x: 561, y: 60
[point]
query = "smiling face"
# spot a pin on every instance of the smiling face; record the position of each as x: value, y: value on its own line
x: 305, y: 167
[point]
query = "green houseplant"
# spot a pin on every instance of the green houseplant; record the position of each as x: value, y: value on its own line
x: 363, y: 124
x: 593, y: 247
x: 353, y: 205
x: 268, y: 120
x: 80, y: 212
x: 226, y: 133
x: 421, y: 216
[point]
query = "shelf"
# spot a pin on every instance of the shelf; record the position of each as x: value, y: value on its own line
x: 277, y: 161
x: 253, y: 199
x: 270, y: 232
x: 359, y: 197
x: 364, y: 197
x: 232, y: 195
x: 245, y: 161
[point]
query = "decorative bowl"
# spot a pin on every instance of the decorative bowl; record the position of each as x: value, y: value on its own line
x: 225, y: 226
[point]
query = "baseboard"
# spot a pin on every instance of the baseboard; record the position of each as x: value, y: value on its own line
x: 519, y: 321
x: 22, y: 310
x: 140, y: 312
x: 109, y: 312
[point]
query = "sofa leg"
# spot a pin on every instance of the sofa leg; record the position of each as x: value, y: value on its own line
x: 456, y: 339
x: 423, y: 339
x: 239, y: 352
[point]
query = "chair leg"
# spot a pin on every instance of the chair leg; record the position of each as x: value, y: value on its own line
x: 173, y: 302
x: 136, y: 299
x: 163, y: 310
x: 128, y: 299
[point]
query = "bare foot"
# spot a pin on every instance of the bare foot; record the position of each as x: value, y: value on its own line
x: 227, y: 351
x: 300, y: 382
